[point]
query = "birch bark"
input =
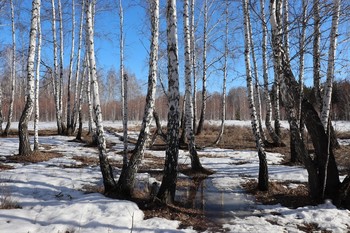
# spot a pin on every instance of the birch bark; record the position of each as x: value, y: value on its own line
x: 167, y: 189
x: 24, y: 143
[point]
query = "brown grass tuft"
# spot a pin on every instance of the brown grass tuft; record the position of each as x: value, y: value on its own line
x: 35, y: 157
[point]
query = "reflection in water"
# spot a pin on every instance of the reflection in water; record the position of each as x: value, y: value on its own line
x: 218, y: 205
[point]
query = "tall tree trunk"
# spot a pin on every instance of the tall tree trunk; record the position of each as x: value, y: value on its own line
x: 223, y: 97
x: 326, y: 105
x: 204, y: 70
x: 60, y: 91
x: 263, y: 171
x: 276, y: 138
x: 89, y: 100
x: 80, y: 103
x: 194, y: 65
x: 195, y: 162
x: 106, y: 169
x: 167, y: 189
x: 124, y: 86
x: 24, y: 143
x: 13, y: 71
x: 77, y: 70
x: 70, y: 129
x: 127, y: 177
x: 37, y: 88
x: 316, y: 53
x: 257, y: 88
x: 56, y: 83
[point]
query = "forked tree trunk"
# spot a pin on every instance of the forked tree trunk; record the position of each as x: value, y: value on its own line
x: 276, y: 139
x: 127, y: 177
x: 24, y: 143
x: 13, y: 72
x: 106, y: 169
x: 195, y: 162
x: 166, y: 193
x: 263, y: 179
x: 37, y: 85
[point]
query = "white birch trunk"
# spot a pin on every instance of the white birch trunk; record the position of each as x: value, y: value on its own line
x: 286, y: 28
x: 60, y: 91
x: 263, y: 173
x: 167, y: 189
x: 77, y: 69
x: 37, y: 86
x: 24, y: 143
x: 89, y: 100
x: 56, y: 83
x: 13, y: 71
x: 223, y: 97
x: 108, y: 179
x: 124, y: 85
x: 194, y: 64
x: 276, y: 139
x: 327, y: 97
x: 316, y: 53
x: 195, y: 163
x: 70, y: 74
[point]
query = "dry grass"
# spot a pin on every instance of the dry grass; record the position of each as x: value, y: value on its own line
x: 6, y: 199
x: 35, y: 157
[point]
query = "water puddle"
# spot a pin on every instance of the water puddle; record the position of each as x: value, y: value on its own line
x: 218, y: 205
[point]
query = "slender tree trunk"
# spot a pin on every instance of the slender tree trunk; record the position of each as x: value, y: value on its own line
x: 316, y: 53
x: 56, y: 83
x: 276, y: 139
x: 263, y: 171
x: 223, y: 97
x: 106, y: 169
x: 37, y: 86
x: 195, y: 162
x: 13, y: 71
x: 60, y: 91
x: 124, y: 87
x: 204, y: 70
x: 77, y: 70
x: 167, y: 189
x: 24, y: 143
x: 70, y: 128
x: 257, y: 88
x: 127, y: 177
x: 80, y: 103
x: 89, y: 100
x: 327, y: 97
x: 194, y: 65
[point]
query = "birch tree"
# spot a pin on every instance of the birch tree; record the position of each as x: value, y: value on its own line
x: 316, y: 55
x: 276, y: 139
x: 127, y: 177
x: 106, y: 170
x: 24, y: 143
x: 13, y: 71
x: 60, y: 91
x: 326, y: 105
x: 77, y: 92
x: 224, y: 69
x: 195, y: 162
x: 263, y: 171
x: 204, y: 69
x: 194, y: 64
x: 37, y: 87
x: 167, y: 189
x: 124, y: 85
x: 56, y: 82
x: 69, y: 119
x: 319, y: 174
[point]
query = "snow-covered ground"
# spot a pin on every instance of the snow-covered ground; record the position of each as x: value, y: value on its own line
x: 51, y: 200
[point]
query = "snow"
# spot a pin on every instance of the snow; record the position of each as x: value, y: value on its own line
x: 51, y: 199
